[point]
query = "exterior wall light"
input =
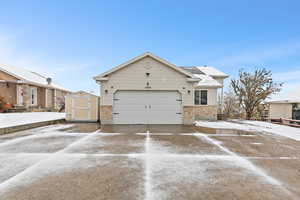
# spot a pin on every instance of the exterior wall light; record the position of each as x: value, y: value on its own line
x: 106, y: 91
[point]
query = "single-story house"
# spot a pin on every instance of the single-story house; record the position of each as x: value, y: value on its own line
x: 288, y: 109
x: 27, y: 90
x: 150, y: 90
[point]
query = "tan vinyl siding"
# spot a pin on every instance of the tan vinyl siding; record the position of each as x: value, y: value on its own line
x: 82, y: 107
x: 280, y: 110
x: 133, y: 77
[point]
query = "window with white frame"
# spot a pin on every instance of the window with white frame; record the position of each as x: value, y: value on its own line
x: 33, y: 96
x: 200, y: 97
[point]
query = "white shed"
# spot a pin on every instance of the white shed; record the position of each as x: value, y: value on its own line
x: 82, y: 106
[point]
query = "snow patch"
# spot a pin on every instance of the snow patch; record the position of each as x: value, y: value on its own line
x: 17, y: 119
x: 254, y: 126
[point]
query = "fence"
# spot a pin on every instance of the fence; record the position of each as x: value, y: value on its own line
x: 288, y: 122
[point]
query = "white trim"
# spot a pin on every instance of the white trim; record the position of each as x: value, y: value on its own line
x: 200, y: 97
x: 19, y: 95
x: 188, y: 74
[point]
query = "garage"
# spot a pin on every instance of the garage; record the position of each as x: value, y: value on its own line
x: 150, y: 90
x: 147, y: 107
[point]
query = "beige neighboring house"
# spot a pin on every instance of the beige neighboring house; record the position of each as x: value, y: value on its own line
x: 27, y: 90
x: 288, y: 109
x: 150, y: 90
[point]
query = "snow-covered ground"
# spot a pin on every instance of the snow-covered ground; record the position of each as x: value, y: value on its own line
x: 246, y: 125
x: 15, y: 119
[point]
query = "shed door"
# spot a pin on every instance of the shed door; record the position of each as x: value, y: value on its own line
x: 147, y: 107
x: 81, y: 107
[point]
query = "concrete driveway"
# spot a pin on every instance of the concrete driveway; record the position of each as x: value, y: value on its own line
x: 84, y: 162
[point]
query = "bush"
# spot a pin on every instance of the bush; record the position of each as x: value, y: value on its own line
x: 2, y: 103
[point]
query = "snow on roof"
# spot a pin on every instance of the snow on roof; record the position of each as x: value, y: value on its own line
x: 286, y: 96
x: 212, y: 72
x: 284, y: 101
x: 84, y: 92
x: 207, y: 81
x: 29, y: 76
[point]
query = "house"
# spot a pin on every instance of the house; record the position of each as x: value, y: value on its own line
x: 288, y: 109
x: 150, y: 90
x: 27, y: 90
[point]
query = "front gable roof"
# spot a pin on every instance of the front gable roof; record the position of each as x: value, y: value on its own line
x: 147, y: 54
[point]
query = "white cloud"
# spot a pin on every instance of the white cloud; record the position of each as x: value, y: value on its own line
x: 260, y: 55
x: 287, y: 76
x: 291, y: 85
x: 64, y: 71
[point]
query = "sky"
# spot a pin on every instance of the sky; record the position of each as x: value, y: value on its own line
x: 72, y: 41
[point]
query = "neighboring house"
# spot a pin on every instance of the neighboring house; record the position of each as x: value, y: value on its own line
x: 288, y: 109
x: 29, y: 90
x: 150, y: 90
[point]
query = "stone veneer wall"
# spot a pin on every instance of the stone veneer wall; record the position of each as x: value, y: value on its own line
x: 188, y: 115
x: 106, y: 114
x: 205, y: 112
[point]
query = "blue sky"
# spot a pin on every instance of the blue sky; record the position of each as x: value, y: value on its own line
x: 73, y: 41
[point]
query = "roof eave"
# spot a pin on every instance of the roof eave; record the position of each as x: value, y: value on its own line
x: 140, y: 57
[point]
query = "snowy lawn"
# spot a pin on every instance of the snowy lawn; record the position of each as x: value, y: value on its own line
x: 80, y: 161
x: 257, y: 126
x: 15, y: 119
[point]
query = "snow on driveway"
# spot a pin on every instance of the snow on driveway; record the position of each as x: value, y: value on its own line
x: 16, y: 119
x: 62, y: 162
x: 246, y: 125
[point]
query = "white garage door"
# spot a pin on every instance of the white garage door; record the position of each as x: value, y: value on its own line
x: 147, y: 107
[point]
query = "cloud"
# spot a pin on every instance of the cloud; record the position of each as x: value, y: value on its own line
x: 65, y: 71
x: 287, y: 76
x: 260, y: 55
x: 291, y: 86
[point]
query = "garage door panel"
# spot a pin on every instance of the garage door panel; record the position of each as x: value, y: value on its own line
x: 147, y: 107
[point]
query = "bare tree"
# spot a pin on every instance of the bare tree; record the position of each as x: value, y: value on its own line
x: 253, y: 89
x: 231, y: 106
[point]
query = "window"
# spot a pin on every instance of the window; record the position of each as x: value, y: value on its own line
x: 200, y: 97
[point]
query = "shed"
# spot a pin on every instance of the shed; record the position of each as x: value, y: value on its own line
x: 82, y: 106
x: 289, y: 109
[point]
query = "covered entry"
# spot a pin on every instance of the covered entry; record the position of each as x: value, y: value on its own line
x: 147, y: 107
